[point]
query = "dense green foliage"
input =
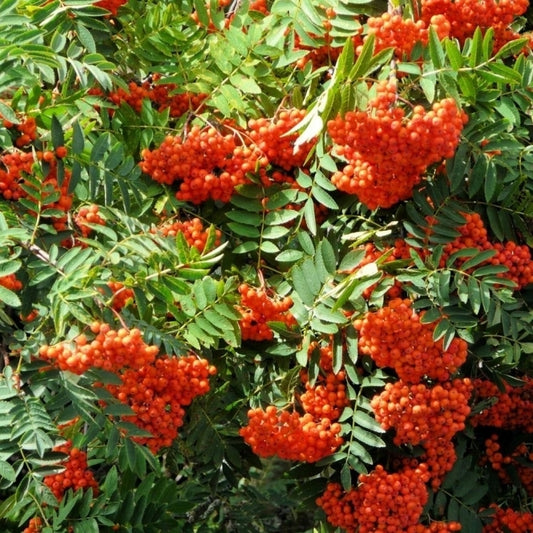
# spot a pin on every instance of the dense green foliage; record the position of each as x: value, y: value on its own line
x: 59, y: 60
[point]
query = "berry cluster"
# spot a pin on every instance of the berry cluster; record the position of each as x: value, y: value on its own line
x: 274, y: 141
x: 207, y: 163
x: 11, y: 282
x: 420, y: 413
x: 122, y: 295
x: 111, y: 5
x: 88, y: 215
x: 510, y: 521
x: 110, y: 349
x: 76, y: 474
x: 193, y: 230
x: 257, y: 308
x: 387, y: 153
x: 327, y: 397
x: 395, y: 337
x: 308, y: 437
x: 520, y: 459
x: 402, y: 34
x: 382, y: 501
x: 512, y: 408
x: 157, y: 393
x: 24, y: 132
x: 429, y: 416
x: 464, y: 16
x: 14, y: 166
x: 517, y: 258
x: 35, y: 525
x: 289, y: 435
x: 161, y: 95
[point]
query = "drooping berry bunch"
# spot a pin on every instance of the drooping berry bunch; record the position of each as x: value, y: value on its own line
x: 76, y: 474
x: 207, y: 164
x: 387, y: 152
x: 308, y: 437
x: 193, y: 230
x: 426, y: 415
x: 161, y: 95
x: 402, y: 34
x: 419, y: 413
x: 382, y: 501
x: 272, y: 138
x: 15, y: 165
x: 257, y: 308
x: 111, y: 5
x: 464, y: 16
x: 35, y: 525
x: 122, y: 295
x: 519, y: 459
x: 289, y: 435
x: 24, y: 132
x: 517, y: 258
x: 110, y: 349
x: 512, y: 408
x: 88, y: 214
x: 157, y: 392
x: 327, y: 397
x: 11, y: 282
x: 509, y: 520
x: 395, y: 337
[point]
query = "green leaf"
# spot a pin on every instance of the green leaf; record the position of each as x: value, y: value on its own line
x: 9, y: 298
x: 364, y: 60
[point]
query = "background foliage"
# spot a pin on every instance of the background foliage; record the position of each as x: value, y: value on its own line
x: 61, y: 63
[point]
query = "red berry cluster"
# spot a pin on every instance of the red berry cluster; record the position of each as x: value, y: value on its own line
x: 327, y: 397
x: 88, y: 214
x: 289, y: 435
x: 110, y: 349
x: 122, y: 295
x: 419, y: 413
x: 509, y: 520
x: 312, y: 436
x: 15, y: 165
x: 429, y: 416
x: 111, y: 5
x: 257, y: 308
x: 207, y: 163
x: 76, y: 474
x: 272, y: 138
x: 517, y: 258
x: 395, y: 337
x: 193, y: 230
x: 35, y: 525
x: 512, y: 408
x: 11, y: 282
x: 464, y: 16
x: 402, y: 34
x: 24, y: 132
x: 157, y: 393
x: 162, y: 95
x: 382, y: 501
x: 519, y: 459
x: 387, y: 153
